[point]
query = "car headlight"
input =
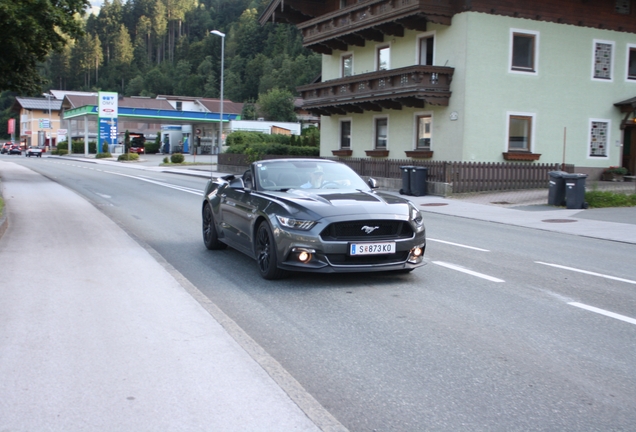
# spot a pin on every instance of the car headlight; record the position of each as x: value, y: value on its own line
x: 288, y: 222
x: 415, y: 214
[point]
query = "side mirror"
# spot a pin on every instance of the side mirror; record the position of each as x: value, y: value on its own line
x: 248, y: 182
x: 237, y: 183
x: 373, y: 184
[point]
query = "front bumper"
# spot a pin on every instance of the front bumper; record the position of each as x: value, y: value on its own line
x: 333, y: 256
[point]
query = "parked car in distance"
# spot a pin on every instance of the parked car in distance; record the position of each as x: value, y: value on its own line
x: 5, y: 148
x: 15, y: 149
x: 312, y: 215
x: 34, y: 151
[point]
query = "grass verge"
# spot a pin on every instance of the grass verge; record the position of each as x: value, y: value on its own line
x: 602, y: 199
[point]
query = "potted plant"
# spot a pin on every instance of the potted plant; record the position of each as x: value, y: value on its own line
x: 614, y: 173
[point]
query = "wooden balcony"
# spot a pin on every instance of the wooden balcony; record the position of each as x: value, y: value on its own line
x: 371, y: 20
x: 412, y: 86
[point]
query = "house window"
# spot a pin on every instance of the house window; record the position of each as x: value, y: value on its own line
x: 346, y: 65
x: 343, y: 4
x: 179, y: 106
x: 631, y: 62
x: 622, y: 7
x: 426, y: 50
x: 599, y: 137
x: 381, y: 133
x: 519, y: 133
x: 603, y: 60
x: 523, y: 58
x: 383, y: 58
x: 345, y: 134
x: 424, y: 123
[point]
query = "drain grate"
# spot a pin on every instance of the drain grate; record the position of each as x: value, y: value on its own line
x: 433, y: 204
x: 558, y: 220
x: 501, y: 202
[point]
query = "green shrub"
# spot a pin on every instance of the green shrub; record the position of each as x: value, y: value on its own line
x: 244, y: 138
x: 601, y: 199
x: 165, y: 160
x: 236, y: 149
x: 152, y: 147
x: 128, y: 157
x: 177, y: 158
x: 257, y: 144
x: 59, y: 151
x: 103, y: 155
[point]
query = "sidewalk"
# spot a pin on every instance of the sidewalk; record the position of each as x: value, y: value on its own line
x: 89, y: 344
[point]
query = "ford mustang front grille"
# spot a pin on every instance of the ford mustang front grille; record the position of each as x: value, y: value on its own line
x: 367, y: 230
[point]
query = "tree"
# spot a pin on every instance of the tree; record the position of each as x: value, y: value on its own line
x: 31, y: 30
x: 277, y: 105
x: 122, y: 53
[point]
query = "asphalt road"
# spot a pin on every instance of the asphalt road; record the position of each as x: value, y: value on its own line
x: 490, y: 335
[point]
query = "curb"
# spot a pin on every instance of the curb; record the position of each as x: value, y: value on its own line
x: 4, y: 220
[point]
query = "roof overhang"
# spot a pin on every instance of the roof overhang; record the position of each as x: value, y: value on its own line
x: 164, y: 116
x: 629, y: 108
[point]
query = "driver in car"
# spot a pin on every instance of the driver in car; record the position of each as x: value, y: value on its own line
x: 315, y: 180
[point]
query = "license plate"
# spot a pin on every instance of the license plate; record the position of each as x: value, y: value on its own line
x: 371, y: 248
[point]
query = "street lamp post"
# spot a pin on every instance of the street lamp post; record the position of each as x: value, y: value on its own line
x: 222, y: 35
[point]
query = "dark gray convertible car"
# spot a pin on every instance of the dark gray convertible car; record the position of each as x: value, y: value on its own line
x: 312, y: 215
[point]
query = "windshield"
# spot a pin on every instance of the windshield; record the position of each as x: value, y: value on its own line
x: 283, y: 175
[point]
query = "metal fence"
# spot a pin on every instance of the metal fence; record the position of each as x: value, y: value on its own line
x: 464, y: 176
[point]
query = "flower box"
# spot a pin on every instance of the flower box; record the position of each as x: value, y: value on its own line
x: 614, y: 173
x: 342, y: 152
x: 419, y: 154
x: 521, y: 156
x: 377, y: 153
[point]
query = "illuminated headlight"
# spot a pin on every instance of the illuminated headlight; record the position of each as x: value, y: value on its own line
x: 415, y: 214
x: 288, y: 222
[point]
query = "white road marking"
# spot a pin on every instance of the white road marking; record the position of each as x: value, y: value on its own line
x: 168, y: 185
x: 603, y: 312
x: 458, y: 244
x: 588, y: 272
x: 470, y: 272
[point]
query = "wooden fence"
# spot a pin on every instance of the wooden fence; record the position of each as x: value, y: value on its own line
x: 463, y: 176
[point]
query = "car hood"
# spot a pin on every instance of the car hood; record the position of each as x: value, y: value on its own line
x: 343, y: 202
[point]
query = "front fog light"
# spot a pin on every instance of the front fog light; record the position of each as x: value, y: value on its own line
x: 303, y: 255
x: 416, y: 255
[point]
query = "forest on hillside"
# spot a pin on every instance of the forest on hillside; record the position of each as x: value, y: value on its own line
x: 152, y: 47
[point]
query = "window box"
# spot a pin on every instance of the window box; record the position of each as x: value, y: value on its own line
x: 521, y: 156
x: 377, y: 153
x: 342, y: 152
x: 419, y: 154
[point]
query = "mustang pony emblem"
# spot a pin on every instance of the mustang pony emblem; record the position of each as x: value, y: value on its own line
x: 368, y: 230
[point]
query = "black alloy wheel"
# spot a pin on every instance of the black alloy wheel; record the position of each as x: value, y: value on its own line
x: 210, y: 235
x: 266, y: 255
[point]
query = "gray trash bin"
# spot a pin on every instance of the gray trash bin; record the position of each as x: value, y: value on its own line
x: 406, y: 180
x: 418, y: 181
x: 556, y: 193
x: 575, y: 191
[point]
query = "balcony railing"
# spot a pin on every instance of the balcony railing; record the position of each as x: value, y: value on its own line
x: 371, y: 20
x: 412, y: 86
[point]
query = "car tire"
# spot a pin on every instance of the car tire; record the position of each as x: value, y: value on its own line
x: 266, y: 253
x: 210, y: 234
